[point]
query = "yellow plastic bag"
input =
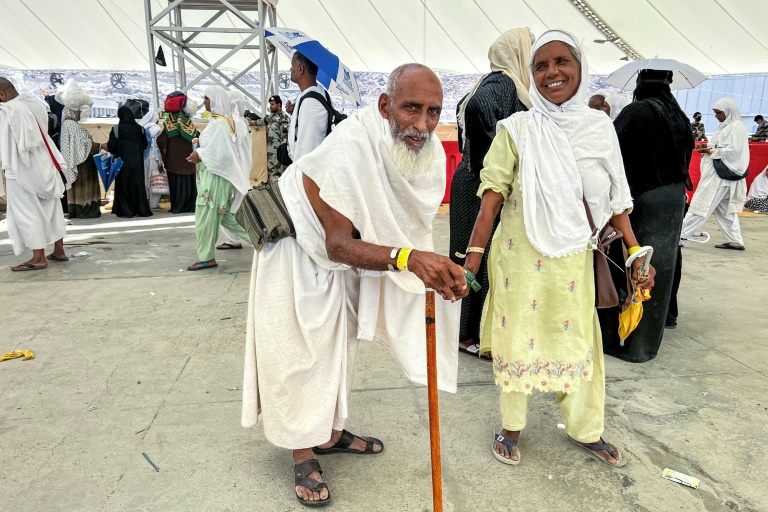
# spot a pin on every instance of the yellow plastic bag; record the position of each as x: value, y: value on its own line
x: 26, y: 354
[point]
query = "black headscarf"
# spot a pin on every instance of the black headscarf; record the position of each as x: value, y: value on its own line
x: 129, y: 128
x: 655, y: 135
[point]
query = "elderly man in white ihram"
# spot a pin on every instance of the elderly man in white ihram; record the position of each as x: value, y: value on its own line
x: 364, y: 199
x: 31, y: 162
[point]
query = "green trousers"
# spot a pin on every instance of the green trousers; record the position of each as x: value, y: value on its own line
x: 214, y: 197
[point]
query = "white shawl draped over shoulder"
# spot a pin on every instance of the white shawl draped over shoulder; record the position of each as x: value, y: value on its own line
x: 218, y: 149
x: 22, y: 147
x: 358, y: 178
x: 566, y: 152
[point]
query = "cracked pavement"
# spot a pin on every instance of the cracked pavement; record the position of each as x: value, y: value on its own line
x: 152, y: 350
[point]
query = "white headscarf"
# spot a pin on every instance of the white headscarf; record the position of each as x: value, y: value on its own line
x: 567, y: 153
x: 617, y: 103
x: 71, y: 95
x: 510, y: 54
x: 149, y: 121
x: 217, y: 145
x: 244, y: 142
x: 731, y: 136
x: 192, y: 107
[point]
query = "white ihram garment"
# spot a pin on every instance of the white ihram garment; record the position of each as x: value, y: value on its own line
x: 306, y: 313
x: 35, y: 216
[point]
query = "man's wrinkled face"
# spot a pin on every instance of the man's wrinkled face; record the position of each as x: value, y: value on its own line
x: 413, y: 114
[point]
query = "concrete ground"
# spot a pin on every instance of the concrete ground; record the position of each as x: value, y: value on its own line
x: 135, y: 355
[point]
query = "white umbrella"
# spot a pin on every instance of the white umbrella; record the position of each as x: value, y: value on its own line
x: 685, y: 76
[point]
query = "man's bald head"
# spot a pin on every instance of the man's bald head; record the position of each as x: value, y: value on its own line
x: 597, y: 102
x: 408, y: 72
x: 7, y: 90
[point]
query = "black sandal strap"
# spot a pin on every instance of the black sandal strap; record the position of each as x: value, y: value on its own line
x: 301, y: 472
x: 345, y: 441
x: 506, y: 442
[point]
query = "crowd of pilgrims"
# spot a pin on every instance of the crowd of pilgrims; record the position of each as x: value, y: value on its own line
x: 153, y: 150
x: 657, y: 179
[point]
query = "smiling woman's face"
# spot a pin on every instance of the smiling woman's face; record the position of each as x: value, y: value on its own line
x: 556, y: 72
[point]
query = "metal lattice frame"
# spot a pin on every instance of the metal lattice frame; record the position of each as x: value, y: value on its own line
x: 610, y: 36
x: 167, y: 27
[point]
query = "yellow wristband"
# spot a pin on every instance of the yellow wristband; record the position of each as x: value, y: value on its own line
x: 633, y: 250
x: 402, y: 258
x: 481, y: 250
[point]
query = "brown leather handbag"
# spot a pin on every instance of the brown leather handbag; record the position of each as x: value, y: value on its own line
x: 606, y: 295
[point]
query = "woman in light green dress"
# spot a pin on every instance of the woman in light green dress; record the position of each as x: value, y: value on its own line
x: 539, y: 320
x: 222, y: 180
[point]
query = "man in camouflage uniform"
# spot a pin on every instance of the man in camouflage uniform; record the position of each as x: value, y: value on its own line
x: 761, y: 135
x: 277, y: 122
x: 698, y: 128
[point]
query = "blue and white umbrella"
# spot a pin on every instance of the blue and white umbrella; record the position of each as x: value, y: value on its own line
x: 332, y: 73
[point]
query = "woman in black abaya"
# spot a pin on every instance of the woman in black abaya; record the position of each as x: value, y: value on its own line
x: 128, y: 141
x: 656, y: 145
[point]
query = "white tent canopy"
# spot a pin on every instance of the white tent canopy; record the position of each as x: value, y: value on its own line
x: 715, y: 36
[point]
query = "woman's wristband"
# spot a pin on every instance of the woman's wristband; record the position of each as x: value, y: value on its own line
x: 632, y: 250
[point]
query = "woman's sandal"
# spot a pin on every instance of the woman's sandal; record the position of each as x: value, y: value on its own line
x: 201, y: 265
x: 226, y: 246
x: 729, y: 245
x: 344, y: 443
x: 592, y: 450
x: 509, y: 444
x: 300, y: 472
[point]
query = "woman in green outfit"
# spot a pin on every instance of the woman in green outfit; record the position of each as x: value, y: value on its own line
x: 540, y: 321
x: 221, y: 180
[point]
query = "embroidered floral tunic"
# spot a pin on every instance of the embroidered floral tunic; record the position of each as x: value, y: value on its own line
x: 539, y: 319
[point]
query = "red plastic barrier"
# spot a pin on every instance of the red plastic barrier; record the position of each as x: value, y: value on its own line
x: 758, y: 159
x: 452, y: 159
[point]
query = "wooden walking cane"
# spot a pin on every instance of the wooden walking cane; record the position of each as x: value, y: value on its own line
x: 434, y: 413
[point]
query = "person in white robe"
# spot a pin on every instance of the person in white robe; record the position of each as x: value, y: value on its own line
x: 150, y: 123
x: 244, y: 147
x: 362, y: 200
x: 30, y: 161
x: 723, y: 197
x: 757, y: 198
x: 617, y: 102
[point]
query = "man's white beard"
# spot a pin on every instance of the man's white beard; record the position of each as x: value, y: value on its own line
x: 412, y: 163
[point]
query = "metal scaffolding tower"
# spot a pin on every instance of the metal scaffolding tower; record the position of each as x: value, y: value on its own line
x: 249, y: 18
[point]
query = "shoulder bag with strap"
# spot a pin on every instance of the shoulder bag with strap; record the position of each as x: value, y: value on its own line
x: 725, y: 172
x: 606, y: 295
x: 334, y: 118
x: 264, y: 216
